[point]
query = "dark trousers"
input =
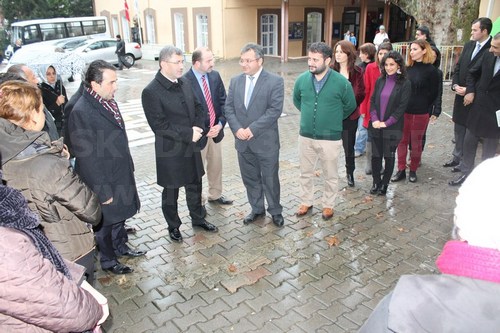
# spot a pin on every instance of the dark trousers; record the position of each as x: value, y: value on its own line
x: 169, y: 198
x: 348, y: 142
x: 87, y: 261
x: 259, y: 172
x: 112, y: 241
x: 459, y: 134
x: 384, y: 146
x: 470, y: 146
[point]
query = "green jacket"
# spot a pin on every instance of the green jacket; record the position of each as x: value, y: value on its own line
x: 322, y: 113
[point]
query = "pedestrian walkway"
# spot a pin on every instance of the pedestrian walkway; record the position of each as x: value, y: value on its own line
x: 309, y: 276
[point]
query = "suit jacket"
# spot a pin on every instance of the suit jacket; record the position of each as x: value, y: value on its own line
x: 482, y: 120
x: 464, y: 64
x: 396, y: 107
x: 218, y: 93
x: 264, y: 110
x: 172, y: 110
x: 103, y: 159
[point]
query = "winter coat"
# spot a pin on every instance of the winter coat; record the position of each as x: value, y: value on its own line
x: 35, y: 297
x: 64, y: 203
x: 50, y: 95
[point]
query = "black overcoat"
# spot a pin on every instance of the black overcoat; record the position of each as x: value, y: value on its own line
x: 482, y: 120
x: 172, y: 110
x: 464, y: 64
x: 103, y: 159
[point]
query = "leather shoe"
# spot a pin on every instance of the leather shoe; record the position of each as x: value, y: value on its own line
x: 327, y: 213
x: 203, y: 211
x: 133, y: 253
x: 452, y: 163
x: 456, y: 169
x: 130, y: 229
x: 252, y: 217
x: 400, y: 175
x: 383, y: 190
x: 375, y: 188
x: 278, y: 220
x: 119, y: 269
x: 413, y: 177
x: 350, y: 180
x: 303, y: 210
x: 222, y: 201
x: 175, y: 235
x: 206, y: 225
x: 458, y: 181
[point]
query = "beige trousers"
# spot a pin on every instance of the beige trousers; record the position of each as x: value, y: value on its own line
x: 212, y: 161
x: 327, y: 152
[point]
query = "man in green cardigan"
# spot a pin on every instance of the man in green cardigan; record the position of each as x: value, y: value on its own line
x: 325, y: 98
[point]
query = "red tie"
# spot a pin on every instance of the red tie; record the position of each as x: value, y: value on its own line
x: 208, y: 98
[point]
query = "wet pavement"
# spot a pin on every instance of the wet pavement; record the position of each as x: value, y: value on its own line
x: 309, y: 276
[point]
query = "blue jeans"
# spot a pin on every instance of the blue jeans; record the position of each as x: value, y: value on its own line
x: 360, y: 144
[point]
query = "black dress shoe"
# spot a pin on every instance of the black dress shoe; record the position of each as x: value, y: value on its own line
x: 175, y: 235
x: 458, y: 181
x: 203, y: 211
x: 400, y: 175
x: 222, y: 201
x: 278, y: 220
x: 375, y: 188
x: 451, y: 163
x: 383, y: 190
x: 252, y: 217
x: 413, y: 177
x: 350, y: 179
x: 456, y: 169
x: 206, y: 225
x: 119, y: 269
x: 133, y: 253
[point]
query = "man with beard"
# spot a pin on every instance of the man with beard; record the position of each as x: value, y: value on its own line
x: 325, y: 98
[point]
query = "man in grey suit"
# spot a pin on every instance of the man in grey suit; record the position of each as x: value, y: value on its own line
x: 253, y: 105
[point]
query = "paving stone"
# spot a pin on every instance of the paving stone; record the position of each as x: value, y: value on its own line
x: 185, y: 321
x: 193, y: 303
x: 214, y: 308
x: 314, y: 323
x: 287, y: 320
x: 243, y: 325
x: 240, y: 311
x: 168, y: 301
x: 247, y: 278
x: 213, y: 324
x: 285, y: 305
x: 165, y: 316
x: 262, y: 317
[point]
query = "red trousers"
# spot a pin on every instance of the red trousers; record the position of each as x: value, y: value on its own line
x: 413, y: 132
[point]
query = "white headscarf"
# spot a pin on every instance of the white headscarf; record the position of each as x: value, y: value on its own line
x: 477, y: 214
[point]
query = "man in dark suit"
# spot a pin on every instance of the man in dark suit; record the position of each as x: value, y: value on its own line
x: 253, y: 107
x: 120, y: 51
x: 104, y: 163
x: 178, y: 121
x: 209, y: 90
x: 483, y: 94
x: 472, y: 54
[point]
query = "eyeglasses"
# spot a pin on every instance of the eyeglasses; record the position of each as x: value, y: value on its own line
x: 179, y: 62
x: 247, y: 61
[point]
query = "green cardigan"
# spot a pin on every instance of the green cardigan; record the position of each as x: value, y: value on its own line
x: 322, y: 113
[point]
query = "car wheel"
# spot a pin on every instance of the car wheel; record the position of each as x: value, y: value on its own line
x: 129, y: 58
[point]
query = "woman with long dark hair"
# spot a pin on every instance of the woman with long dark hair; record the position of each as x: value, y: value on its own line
x: 388, y: 104
x: 344, y: 62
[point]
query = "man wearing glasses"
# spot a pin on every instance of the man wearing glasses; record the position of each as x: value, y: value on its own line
x: 178, y: 121
x: 253, y: 107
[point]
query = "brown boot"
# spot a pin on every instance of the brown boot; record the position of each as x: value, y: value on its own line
x: 327, y: 213
x: 303, y: 210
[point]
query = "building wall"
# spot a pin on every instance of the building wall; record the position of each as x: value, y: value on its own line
x: 483, y: 9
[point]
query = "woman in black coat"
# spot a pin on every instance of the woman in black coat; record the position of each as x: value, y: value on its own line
x: 388, y: 104
x: 54, y: 96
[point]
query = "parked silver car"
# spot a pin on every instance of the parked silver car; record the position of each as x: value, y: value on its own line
x: 104, y: 49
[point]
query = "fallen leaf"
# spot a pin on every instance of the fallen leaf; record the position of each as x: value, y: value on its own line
x: 232, y: 268
x: 309, y: 234
x: 332, y: 241
x: 368, y: 198
x: 317, y: 173
x: 380, y: 215
x: 431, y: 146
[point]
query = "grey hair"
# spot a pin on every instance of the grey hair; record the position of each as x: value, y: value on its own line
x: 496, y: 36
x: 17, y: 69
x: 259, y: 51
x: 167, y: 52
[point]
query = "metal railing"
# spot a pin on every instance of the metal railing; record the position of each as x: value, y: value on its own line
x: 449, y: 56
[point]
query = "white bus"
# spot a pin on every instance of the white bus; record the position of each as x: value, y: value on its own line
x: 44, y: 30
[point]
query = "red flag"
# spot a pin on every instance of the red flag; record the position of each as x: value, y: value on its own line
x: 127, y: 16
